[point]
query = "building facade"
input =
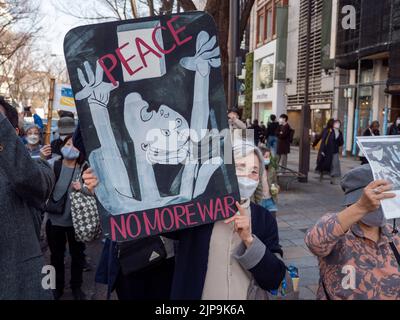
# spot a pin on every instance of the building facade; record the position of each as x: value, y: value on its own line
x: 268, y: 42
x: 367, y: 59
x: 279, y: 45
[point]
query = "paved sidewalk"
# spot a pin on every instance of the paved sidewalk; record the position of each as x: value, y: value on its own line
x: 299, y: 208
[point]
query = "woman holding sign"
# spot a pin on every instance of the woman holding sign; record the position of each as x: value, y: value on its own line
x: 358, y: 252
x: 227, y: 260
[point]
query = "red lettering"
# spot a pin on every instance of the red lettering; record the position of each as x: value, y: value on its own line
x: 171, y: 218
x: 108, y: 70
x: 178, y: 216
x: 156, y: 224
x: 125, y: 61
x: 204, y: 209
x: 175, y: 33
x: 120, y: 228
x: 229, y: 202
x: 219, y: 209
x: 140, y: 42
x: 157, y: 44
x: 138, y: 226
x: 189, y: 214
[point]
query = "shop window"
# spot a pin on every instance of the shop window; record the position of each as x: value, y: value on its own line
x: 260, y: 26
x: 265, y: 73
x: 270, y: 25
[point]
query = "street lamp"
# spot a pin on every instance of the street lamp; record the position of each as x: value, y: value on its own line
x: 305, y: 126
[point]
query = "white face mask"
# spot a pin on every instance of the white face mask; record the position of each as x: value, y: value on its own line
x: 33, y: 139
x: 398, y: 122
x: 247, y: 187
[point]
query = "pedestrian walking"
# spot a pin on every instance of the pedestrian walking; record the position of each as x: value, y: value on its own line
x: 331, y: 140
x: 25, y: 185
x: 356, y: 249
x: 59, y: 226
x: 394, y: 129
x: 372, y: 130
x: 272, y: 130
x: 284, y: 139
x: 228, y: 259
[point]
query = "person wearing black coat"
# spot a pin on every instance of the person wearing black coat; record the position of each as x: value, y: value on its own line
x: 284, y: 132
x: 372, y: 130
x: 328, y: 154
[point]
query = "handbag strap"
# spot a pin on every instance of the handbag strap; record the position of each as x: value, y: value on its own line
x: 395, y: 251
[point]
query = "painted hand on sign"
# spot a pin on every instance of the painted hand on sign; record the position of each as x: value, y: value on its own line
x: 108, y: 157
x: 95, y: 90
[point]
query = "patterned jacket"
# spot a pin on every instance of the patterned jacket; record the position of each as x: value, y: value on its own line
x: 353, y: 267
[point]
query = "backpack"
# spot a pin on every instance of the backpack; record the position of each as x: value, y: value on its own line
x: 291, y: 135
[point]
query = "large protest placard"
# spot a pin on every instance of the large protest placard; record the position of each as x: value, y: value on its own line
x: 383, y: 154
x: 63, y: 98
x: 151, y: 104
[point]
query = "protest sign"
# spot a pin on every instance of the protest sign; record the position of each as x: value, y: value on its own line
x: 152, y: 109
x: 63, y: 98
x: 383, y: 154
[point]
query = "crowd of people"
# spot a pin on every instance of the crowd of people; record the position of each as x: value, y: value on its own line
x: 235, y: 259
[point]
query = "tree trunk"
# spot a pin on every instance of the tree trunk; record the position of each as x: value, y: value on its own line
x: 219, y: 10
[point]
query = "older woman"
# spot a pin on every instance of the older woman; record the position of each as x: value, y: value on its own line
x: 357, y: 252
x: 227, y: 260
x: 220, y: 260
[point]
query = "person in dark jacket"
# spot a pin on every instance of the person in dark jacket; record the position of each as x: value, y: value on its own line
x: 219, y: 261
x: 272, y: 130
x: 394, y: 129
x: 25, y: 185
x: 284, y: 133
x: 257, y: 132
x: 372, y: 130
x: 328, y: 160
x: 59, y: 227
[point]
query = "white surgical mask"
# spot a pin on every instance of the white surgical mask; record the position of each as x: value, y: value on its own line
x: 398, y: 122
x: 70, y: 153
x: 267, y: 162
x: 33, y: 139
x: 247, y: 187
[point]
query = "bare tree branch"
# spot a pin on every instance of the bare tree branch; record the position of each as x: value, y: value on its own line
x: 187, y: 5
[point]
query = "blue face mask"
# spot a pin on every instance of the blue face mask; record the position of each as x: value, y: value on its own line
x: 267, y: 162
x: 70, y: 153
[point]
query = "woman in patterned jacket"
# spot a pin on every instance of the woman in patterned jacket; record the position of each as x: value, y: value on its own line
x: 357, y: 250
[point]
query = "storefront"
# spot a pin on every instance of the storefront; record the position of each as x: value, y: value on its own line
x: 268, y: 93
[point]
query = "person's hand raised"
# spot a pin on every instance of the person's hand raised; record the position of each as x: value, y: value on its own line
x: 373, y: 194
